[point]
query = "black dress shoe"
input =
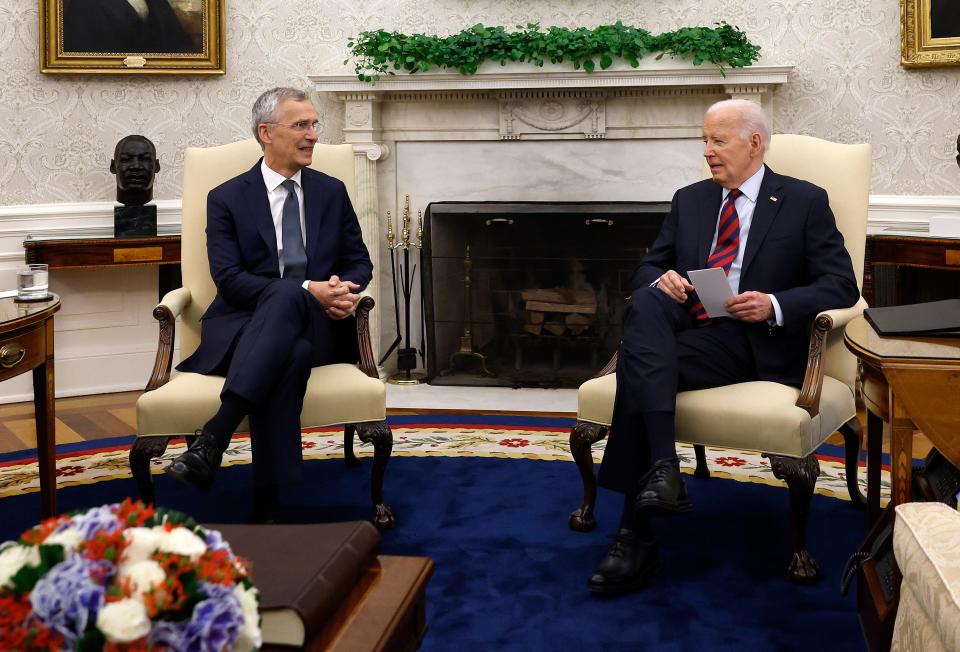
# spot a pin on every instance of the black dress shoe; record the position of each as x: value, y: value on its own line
x: 628, y: 565
x: 662, y: 490
x: 197, y: 465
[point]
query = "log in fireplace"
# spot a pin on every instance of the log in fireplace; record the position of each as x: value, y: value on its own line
x: 528, y: 294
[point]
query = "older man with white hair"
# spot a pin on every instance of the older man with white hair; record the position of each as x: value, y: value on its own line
x: 784, y: 259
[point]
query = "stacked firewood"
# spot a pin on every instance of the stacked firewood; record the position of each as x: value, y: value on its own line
x: 558, y: 311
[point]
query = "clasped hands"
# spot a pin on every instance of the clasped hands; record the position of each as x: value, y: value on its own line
x: 747, y: 306
x: 339, y: 298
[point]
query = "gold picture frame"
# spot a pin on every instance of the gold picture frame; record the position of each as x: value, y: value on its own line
x: 139, y: 37
x: 929, y: 33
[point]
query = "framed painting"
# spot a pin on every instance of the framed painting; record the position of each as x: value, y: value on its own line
x: 929, y: 33
x: 166, y: 37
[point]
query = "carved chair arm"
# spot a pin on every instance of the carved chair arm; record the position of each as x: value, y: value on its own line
x: 825, y: 322
x: 166, y: 312
x: 367, y: 363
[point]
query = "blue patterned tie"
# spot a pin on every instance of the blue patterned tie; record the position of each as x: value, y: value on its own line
x: 294, y: 255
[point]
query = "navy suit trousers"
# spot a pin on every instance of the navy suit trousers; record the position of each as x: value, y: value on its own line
x: 663, y: 352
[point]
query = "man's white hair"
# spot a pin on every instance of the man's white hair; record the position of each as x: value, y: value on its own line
x: 752, y: 118
x: 266, y: 107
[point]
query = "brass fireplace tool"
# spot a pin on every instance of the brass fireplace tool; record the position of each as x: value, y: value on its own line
x: 407, y: 355
x: 466, y: 340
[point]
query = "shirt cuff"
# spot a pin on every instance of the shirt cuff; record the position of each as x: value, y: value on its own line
x: 777, y: 313
x: 306, y: 286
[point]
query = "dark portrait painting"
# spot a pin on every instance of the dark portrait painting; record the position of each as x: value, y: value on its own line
x: 139, y: 37
x: 133, y: 26
x: 944, y: 18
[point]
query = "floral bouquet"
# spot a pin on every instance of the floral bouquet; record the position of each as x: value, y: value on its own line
x: 125, y: 577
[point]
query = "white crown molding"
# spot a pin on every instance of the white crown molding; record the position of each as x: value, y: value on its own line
x: 908, y: 214
x: 514, y: 76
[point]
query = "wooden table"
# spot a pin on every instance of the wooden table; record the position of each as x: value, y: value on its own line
x: 901, y: 250
x: 78, y: 253
x: 26, y: 342
x: 921, y: 377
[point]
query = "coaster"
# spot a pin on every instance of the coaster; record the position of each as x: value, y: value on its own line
x: 37, y: 300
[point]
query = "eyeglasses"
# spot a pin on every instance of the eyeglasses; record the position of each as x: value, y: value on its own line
x: 301, y: 126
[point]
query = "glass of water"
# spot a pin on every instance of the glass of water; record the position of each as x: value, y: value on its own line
x: 33, y: 282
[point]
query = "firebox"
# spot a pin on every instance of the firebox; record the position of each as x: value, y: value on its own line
x: 528, y: 294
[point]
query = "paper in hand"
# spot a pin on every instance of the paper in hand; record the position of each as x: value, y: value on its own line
x: 712, y: 289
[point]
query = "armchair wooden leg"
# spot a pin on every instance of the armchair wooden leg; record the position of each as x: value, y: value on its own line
x: 379, y: 434
x: 583, y: 435
x: 702, y: 470
x: 801, y: 477
x: 348, y: 456
x: 852, y: 442
x: 143, y: 450
x: 875, y: 425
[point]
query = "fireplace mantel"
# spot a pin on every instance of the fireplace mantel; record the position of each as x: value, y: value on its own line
x: 663, y: 100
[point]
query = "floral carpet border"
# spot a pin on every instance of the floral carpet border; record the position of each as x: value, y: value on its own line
x: 533, y: 442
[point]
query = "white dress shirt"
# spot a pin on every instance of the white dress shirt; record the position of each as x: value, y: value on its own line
x: 277, y: 194
x: 745, y: 205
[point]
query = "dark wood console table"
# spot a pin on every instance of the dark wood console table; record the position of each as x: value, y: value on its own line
x: 26, y: 343
x: 907, y: 251
x: 74, y: 253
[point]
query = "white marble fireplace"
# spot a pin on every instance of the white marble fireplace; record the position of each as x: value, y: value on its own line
x: 526, y: 134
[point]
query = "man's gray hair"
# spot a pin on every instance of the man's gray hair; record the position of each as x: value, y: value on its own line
x: 265, y: 108
x: 752, y: 117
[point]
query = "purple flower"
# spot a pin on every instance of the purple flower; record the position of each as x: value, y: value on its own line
x: 215, y: 541
x: 93, y: 521
x: 214, y: 625
x: 67, y: 599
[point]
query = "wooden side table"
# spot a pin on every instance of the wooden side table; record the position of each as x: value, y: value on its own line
x: 26, y: 343
x: 907, y: 251
x: 921, y: 379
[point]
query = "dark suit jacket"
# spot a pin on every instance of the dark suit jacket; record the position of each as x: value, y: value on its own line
x: 793, y: 251
x: 242, y: 249
x: 114, y: 26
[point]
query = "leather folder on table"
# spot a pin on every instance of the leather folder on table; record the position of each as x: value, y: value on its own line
x: 932, y: 319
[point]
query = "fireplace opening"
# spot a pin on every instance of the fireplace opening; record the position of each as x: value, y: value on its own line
x: 528, y: 294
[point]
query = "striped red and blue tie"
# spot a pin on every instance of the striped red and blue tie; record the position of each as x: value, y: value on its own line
x: 725, y: 251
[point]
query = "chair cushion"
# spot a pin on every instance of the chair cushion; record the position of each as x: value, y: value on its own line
x: 758, y: 416
x: 926, y: 544
x: 336, y: 393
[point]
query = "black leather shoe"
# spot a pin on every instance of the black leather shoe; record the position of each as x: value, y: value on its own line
x: 662, y: 490
x: 628, y: 565
x: 197, y: 465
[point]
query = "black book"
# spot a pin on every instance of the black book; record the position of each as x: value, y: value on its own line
x: 934, y: 319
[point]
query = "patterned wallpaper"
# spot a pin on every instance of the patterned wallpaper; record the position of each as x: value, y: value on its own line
x: 57, y: 132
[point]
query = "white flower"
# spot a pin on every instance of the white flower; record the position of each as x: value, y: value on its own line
x: 250, y: 638
x: 142, y: 542
x: 181, y: 541
x: 70, y: 539
x: 143, y: 575
x: 13, y: 557
x: 124, y: 621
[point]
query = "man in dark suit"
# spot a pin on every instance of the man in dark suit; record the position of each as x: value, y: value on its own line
x: 148, y: 26
x: 777, y: 241
x: 287, y: 257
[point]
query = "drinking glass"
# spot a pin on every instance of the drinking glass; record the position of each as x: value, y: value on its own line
x: 33, y: 282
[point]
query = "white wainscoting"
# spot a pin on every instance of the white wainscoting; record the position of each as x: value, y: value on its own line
x: 105, y: 333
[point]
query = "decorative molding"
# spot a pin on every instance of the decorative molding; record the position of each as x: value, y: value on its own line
x: 373, y: 151
x: 493, y: 76
x: 582, y: 117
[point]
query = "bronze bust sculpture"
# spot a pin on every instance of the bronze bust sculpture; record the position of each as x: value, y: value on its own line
x: 135, y: 164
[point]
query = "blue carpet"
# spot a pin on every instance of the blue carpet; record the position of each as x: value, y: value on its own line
x: 511, y: 576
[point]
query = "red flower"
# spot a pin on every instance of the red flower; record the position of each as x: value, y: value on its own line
x: 19, y: 632
x: 64, y: 471
x: 730, y: 461
x: 514, y: 443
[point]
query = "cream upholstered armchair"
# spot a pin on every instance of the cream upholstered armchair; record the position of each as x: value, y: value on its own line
x: 176, y: 404
x: 784, y: 423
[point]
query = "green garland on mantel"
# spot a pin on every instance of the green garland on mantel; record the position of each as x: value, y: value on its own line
x: 376, y: 53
